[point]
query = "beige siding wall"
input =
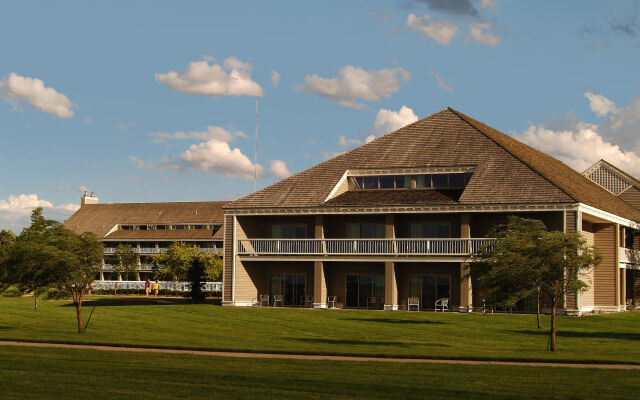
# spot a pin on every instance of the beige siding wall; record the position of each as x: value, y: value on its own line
x: 227, y: 274
x: 605, y: 275
x: 586, y: 298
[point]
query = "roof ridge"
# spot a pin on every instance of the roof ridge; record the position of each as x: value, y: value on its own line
x: 464, y: 117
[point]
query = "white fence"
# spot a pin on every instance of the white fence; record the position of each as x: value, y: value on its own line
x: 175, y: 286
x: 158, y: 250
x: 442, y: 247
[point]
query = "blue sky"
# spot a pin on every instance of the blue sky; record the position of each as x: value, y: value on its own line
x: 155, y: 101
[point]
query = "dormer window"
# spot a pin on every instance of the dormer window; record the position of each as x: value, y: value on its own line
x: 456, y: 180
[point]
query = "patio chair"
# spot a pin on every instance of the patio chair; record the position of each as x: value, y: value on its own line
x: 263, y: 300
x: 278, y: 298
x: 413, y: 302
x: 372, y: 301
x: 331, y: 301
x: 443, y: 303
x: 308, y: 301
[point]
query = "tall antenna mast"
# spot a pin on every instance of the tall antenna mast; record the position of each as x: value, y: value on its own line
x: 255, y: 154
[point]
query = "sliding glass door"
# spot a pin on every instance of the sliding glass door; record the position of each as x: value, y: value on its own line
x: 364, y: 291
x: 292, y: 287
x: 429, y: 288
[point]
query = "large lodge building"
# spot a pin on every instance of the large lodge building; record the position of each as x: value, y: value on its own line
x: 397, y: 219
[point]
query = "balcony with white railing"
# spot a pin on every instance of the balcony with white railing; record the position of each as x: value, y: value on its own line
x: 361, y: 247
x: 158, y: 250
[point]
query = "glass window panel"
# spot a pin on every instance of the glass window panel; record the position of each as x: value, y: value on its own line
x: 365, y: 289
x: 353, y: 231
x: 380, y: 231
x: 423, y: 181
x: 378, y: 287
x: 300, y: 232
x: 415, y: 286
x: 429, y: 292
x: 367, y: 231
x: 300, y: 288
x: 370, y: 182
x: 428, y: 230
x: 276, y: 231
x: 352, y: 290
x: 467, y: 177
x: 386, y: 182
x: 443, y: 231
x: 440, y: 180
x: 456, y: 180
x: 443, y: 287
x: 402, y: 181
x: 415, y: 230
x: 288, y: 286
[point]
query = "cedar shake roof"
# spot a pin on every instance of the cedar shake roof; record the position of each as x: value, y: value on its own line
x: 506, y: 171
x: 101, y: 218
x: 395, y: 197
x: 178, y: 234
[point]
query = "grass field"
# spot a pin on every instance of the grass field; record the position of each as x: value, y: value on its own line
x: 607, y: 338
x: 29, y: 373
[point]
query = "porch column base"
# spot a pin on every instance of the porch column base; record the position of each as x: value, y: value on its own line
x: 319, y: 305
x: 465, y: 309
x: 391, y: 307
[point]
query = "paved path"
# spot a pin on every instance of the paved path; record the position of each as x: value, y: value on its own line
x: 314, y: 357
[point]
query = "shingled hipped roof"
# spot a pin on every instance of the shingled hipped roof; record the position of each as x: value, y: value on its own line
x: 100, y: 218
x: 507, y: 171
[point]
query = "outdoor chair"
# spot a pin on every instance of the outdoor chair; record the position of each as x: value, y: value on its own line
x: 331, y: 301
x: 263, y: 300
x: 278, y: 298
x: 443, y: 303
x: 413, y: 302
x: 308, y: 301
x: 372, y: 301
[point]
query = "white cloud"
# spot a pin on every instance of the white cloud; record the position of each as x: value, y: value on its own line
x: 488, y: 4
x: 441, y: 31
x: 599, y: 104
x: 356, y: 83
x: 278, y: 169
x: 348, y: 142
x: 442, y: 83
x: 212, y: 132
x: 216, y: 156
x: 15, y: 210
x: 83, y: 189
x: 126, y: 127
x: 17, y: 88
x: 581, y: 147
x: 232, y: 78
x: 389, y: 121
x: 275, y: 78
x: 148, y: 165
x: 370, y: 138
x: 479, y: 32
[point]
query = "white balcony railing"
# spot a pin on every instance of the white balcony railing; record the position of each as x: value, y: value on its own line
x: 158, y: 250
x: 326, y: 247
x: 628, y: 256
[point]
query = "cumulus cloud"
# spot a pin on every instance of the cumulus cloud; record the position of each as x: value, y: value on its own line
x: 15, y: 210
x: 488, y: 4
x: 355, y: 83
x: 275, y: 78
x: 442, y: 83
x: 581, y: 147
x: 480, y: 32
x: 278, y: 169
x: 212, y: 132
x: 218, y: 157
x: 441, y: 31
x: 126, y: 127
x: 454, y: 7
x: 389, y: 121
x: 232, y: 78
x: 623, y: 125
x: 386, y: 121
x: 599, y: 104
x: 16, y: 89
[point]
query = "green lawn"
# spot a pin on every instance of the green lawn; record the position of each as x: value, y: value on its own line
x: 607, y: 338
x: 29, y: 373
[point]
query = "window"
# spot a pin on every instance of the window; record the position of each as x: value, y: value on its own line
x: 423, y: 181
x: 370, y: 182
x: 366, y: 231
x: 199, y: 227
x: 440, y: 180
x: 162, y: 227
x: 142, y: 227
x: 288, y: 231
x: 402, y: 181
x: 179, y: 227
x: 126, y: 227
x: 430, y: 230
x: 386, y: 182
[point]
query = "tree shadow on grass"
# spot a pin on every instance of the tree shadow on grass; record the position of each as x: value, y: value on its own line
x: 394, y: 321
x: 634, y: 336
x: 361, y: 342
x: 137, y: 301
